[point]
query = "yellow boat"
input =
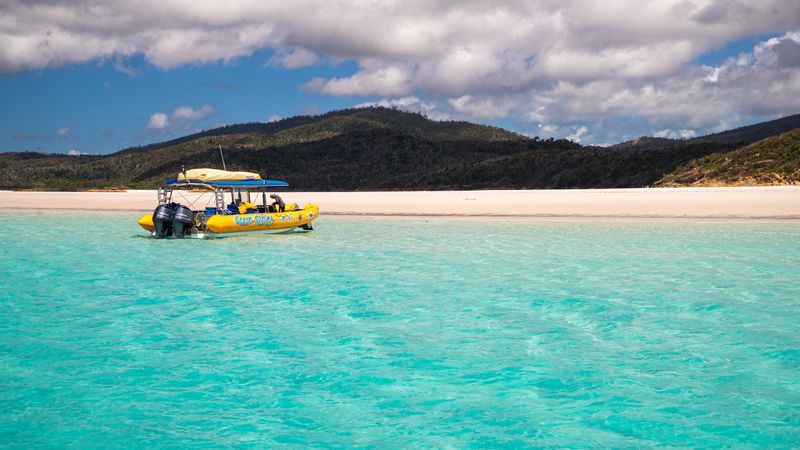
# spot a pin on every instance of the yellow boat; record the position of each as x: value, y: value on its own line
x: 239, y: 215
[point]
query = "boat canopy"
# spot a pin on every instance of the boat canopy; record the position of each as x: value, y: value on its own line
x: 230, y: 184
x: 215, y: 178
x: 206, y: 174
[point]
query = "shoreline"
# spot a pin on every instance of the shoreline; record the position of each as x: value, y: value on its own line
x: 734, y: 203
x: 576, y: 217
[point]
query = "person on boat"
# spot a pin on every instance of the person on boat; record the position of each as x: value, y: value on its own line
x: 278, y: 204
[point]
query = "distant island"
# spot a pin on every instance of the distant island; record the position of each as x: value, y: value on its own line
x: 385, y: 149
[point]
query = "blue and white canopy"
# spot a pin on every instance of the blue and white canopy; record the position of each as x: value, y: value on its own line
x: 215, y: 178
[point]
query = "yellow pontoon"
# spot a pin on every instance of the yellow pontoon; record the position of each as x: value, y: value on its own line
x: 238, y: 215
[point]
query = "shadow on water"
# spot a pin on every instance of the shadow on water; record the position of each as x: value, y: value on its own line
x: 258, y: 235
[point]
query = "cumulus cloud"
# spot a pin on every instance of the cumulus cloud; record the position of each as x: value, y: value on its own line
x: 158, y: 121
x: 753, y: 84
x: 566, y: 64
x: 675, y: 134
x: 274, y: 118
x: 486, y: 107
x: 65, y: 134
x: 391, y: 80
x: 577, y: 134
x: 189, y: 113
x: 548, y: 129
x: 121, y: 66
x: 788, y: 52
x: 181, y: 115
x: 294, y: 58
x: 411, y: 104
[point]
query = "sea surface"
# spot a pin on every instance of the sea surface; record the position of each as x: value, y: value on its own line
x: 400, y: 333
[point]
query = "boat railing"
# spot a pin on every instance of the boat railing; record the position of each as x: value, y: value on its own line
x: 219, y: 189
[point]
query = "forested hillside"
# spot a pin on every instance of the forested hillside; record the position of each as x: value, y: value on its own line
x: 380, y: 148
x: 775, y: 160
x: 737, y: 137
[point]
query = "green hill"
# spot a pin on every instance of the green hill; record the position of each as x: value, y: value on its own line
x: 775, y: 160
x: 648, y: 143
x: 375, y: 148
x: 753, y: 133
x: 737, y: 137
x: 339, y: 121
x: 148, y: 166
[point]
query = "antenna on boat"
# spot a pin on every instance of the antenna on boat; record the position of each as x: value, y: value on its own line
x: 222, y: 156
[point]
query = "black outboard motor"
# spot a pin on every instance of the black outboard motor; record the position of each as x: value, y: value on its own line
x: 162, y: 220
x: 182, y: 221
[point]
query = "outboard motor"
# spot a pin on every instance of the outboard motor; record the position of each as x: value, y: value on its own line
x: 162, y: 220
x: 182, y: 221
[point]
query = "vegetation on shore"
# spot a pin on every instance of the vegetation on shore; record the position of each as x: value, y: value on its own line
x: 775, y: 160
x: 386, y: 149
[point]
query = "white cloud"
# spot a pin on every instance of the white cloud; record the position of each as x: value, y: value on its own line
x: 121, y: 66
x: 274, y: 118
x: 188, y: 113
x: 675, y: 134
x: 391, y: 80
x: 577, y: 134
x: 180, y: 116
x: 689, y: 101
x: 562, y: 63
x: 172, y: 47
x: 485, y: 107
x: 63, y: 132
x: 411, y: 104
x: 158, y: 121
x: 662, y: 133
x: 511, y: 43
x: 548, y: 129
x: 294, y: 58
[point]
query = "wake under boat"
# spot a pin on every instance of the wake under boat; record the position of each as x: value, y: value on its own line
x: 218, y: 216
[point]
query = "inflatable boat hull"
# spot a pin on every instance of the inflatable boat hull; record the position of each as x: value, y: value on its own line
x: 238, y: 223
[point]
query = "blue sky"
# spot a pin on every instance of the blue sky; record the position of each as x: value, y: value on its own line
x: 106, y: 110
x: 97, y: 76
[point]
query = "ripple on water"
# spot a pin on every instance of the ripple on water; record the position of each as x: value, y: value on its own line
x: 401, y: 333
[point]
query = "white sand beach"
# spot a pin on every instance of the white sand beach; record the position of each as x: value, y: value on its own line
x: 774, y: 202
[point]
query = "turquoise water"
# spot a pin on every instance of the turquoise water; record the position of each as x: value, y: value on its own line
x: 400, y: 333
